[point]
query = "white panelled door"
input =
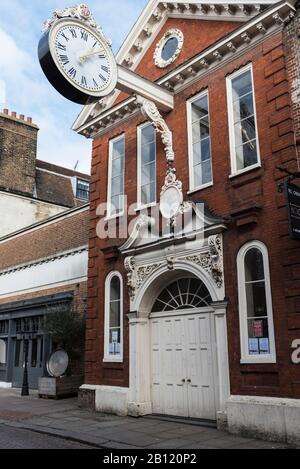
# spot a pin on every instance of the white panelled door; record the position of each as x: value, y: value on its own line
x: 182, y: 365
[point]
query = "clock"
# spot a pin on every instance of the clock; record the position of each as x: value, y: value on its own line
x: 78, y: 60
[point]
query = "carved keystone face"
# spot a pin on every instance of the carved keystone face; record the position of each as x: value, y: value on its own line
x: 84, y: 11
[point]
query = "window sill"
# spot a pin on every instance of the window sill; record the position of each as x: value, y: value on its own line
x: 200, y: 188
x: 112, y: 360
x: 258, y: 360
x: 139, y: 208
x: 243, y: 171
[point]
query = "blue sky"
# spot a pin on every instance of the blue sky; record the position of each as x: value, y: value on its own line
x: 27, y: 90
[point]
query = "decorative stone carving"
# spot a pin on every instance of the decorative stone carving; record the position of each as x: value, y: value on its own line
x: 137, y: 275
x: 80, y: 12
x: 157, y: 56
x: 150, y: 110
x: 212, y: 261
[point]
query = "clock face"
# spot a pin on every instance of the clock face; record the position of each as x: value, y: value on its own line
x: 83, y: 58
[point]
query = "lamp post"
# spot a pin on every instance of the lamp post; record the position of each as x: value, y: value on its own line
x: 25, y: 336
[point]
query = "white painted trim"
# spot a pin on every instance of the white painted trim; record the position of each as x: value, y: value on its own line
x: 107, y: 357
x: 190, y: 142
x: 109, y: 215
x: 200, y: 188
x: 229, y: 79
x: 245, y: 356
x: 141, y: 206
x: 245, y: 170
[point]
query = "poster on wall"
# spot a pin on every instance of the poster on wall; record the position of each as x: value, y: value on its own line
x: 264, y: 346
x: 258, y: 330
x: 253, y: 347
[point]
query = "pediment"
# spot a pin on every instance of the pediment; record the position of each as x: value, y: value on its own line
x: 150, y: 26
x: 195, y: 220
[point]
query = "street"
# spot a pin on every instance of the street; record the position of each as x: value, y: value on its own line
x: 15, y: 438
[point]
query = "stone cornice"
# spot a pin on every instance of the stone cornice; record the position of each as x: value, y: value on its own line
x: 245, y: 37
x: 45, y: 260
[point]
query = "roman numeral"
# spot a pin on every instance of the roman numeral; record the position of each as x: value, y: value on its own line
x: 102, y: 77
x: 104, y: 68
x: 64, y: 59
x: 72, y: 72
x: 61, y: 47
x: 73, y: 32
x: 66, y: 38
x: 95, y: 83
x: 84, y: 36
x: 83, y: 81
x: 101, y: 56
x: 95, y: 44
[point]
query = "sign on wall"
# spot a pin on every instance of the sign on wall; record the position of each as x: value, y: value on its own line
x: 293, y: 204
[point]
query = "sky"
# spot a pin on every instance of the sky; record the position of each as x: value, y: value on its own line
x: 28, y: 92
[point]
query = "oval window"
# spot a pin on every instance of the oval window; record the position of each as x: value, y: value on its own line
x: 168, y: 48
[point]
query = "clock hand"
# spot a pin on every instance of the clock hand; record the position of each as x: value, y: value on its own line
x: 83, y: 58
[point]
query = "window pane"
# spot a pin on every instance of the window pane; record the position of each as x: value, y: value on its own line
x: 17, y: 352
x: 116, y: 204
x: 256, y: 299
x: 148, y: 194
x: 3, y: 352
x: 243, y: 107
x: 242, y: 85
x: 205, y: 149
x: 115, y: 288
x: 244, y: 131
x: 117, y: 167
x: 148, y: 153
x: 117, y: 185
x: 199, y: 108
x: 148, y: 134
x: 169, y: 48
x: 254, y: 265
x: 148, y: 173
x: 34, y: 345
x: 119, y: 148
x: 246, y: 155
x: 114, y: 319
x: 206, y: 172
x: 258, y: 342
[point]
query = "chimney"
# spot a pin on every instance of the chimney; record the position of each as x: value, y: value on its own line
x: 18, y: 147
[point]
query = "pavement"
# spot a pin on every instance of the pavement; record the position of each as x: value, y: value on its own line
x: 79, y: 428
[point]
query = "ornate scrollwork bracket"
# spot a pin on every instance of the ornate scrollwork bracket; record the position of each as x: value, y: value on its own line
x: 80, y: 12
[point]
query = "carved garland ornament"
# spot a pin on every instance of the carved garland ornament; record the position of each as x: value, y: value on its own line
x: 80, y: 12
x: 211, y: 261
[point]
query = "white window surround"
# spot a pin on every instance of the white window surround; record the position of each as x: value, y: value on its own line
x: 246, y: 358
x: 109, y: 215
x: 234, y: 170
x: 189, y: 104
x: 108, y: 358
x: 141, y: 206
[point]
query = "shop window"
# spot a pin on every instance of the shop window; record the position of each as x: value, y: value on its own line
x: 3, y: 352
x: 255, y: 305
x: 114, y: 318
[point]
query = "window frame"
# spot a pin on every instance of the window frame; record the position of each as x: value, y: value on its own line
x: 246, y: 358
x: 109, y: 215
x: 233, y: 159
x: 140, y: 205
x: 78, y: 179
x: 108, y: 358
x: 189, y: 104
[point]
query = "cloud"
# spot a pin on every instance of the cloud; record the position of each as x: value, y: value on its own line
x: 27, y: 90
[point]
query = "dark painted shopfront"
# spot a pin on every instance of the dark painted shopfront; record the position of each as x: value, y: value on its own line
x: 21, y: 322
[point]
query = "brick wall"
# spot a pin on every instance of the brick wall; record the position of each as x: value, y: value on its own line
x: 63, y: 235
x: 18, y: 146
x: 237, y: 198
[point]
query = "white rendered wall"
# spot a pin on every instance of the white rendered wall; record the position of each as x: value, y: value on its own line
x: 70, y: 268
x: 16, y: 212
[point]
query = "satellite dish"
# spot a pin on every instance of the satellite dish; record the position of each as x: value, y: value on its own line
x: 58, y: 363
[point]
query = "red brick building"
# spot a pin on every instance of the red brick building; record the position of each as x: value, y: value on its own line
x: 199, y: 322
x: 43, y: 248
